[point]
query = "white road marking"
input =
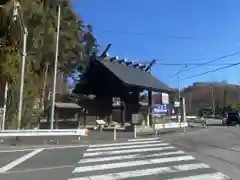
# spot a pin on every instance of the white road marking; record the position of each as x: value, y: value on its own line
x: 145, y: 172
x: 15, y: 150
x: 143, y: 139
x: 19, y: 160
x: 132, y: 156
x: 125, y: 143
x: 132, y: 163
x: 127, y: 147
x: 210, y: 176
x: 127, y: 151
x: 42, y: 147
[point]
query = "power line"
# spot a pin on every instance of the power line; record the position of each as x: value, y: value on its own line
x: 208, y: 62
x: 214, y: 70
x: 214, y: 60
x: 144, y: 34
x: 190, y: 64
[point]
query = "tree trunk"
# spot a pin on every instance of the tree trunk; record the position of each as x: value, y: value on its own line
x: 44, y: 86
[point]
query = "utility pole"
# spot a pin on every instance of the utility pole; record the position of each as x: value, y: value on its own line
x: 55, y: 69
x: 179, y: 92
x: 213, y: 100
x: 22, y: 77
x: 18, y: 15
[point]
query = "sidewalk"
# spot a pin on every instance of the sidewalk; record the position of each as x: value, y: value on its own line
x: 92, y: 138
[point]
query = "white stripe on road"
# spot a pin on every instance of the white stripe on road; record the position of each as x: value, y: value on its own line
x: 146, y: 172
x: 47, y: 147
x: 143, y: 139
x: 111, y: 158
x: 127, y: 151
x: 123, y: 144
x: 131, y: 163
x: 19, y: 160
x: 128, y: 147
x: 210, y: 176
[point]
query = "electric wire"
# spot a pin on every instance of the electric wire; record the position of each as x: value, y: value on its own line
x: 210, y: 71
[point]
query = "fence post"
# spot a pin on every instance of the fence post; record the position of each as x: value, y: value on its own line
x: 114, y: 134
x: 135, y: 131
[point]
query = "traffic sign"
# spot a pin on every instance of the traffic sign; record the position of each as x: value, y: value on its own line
x: 160, y: 108
x: 176, y: 104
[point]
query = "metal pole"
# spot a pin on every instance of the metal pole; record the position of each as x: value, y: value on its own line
x: 183, y: 114
x: 155, y: 120
x: 135, y: 131
x: 114, y: 134
x: 55, y: 68
x: 179, y: 93
x: 213, y: 101
x: 19, y: 117
x: 179, y: 97
x: 5, y: 105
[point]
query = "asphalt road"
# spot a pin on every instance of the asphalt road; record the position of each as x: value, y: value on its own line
x: 170, y: 156
x: 216, y: 145
x: 39, y: 164
x: 136, y: 159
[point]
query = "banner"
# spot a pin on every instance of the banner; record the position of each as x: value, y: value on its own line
x: 165, y: 98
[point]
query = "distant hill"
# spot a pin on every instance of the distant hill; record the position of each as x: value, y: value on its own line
x: 201, y: 95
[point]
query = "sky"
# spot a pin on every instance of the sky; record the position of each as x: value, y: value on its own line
x: 171, y: 32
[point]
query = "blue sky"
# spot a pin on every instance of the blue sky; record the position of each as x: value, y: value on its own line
x: 170, y: 31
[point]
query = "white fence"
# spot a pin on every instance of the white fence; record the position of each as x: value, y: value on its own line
x: 187, y: 117
x: 44, y: 132
x: 170, y: 125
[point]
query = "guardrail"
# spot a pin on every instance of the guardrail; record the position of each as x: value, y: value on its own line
x: 187, y: 117
x: 157, y: 127
x: 170, y: 125
x: 44, y: 132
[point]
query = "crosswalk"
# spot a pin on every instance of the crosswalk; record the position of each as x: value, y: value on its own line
x: 140, y: 159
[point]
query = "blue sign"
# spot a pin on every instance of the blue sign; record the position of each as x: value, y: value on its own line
x: 160, y: 108
x: 72, y: 79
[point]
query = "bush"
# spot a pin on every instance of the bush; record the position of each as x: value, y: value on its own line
x: 31, y: 118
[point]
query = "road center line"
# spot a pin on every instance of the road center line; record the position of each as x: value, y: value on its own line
x: 20, y: 160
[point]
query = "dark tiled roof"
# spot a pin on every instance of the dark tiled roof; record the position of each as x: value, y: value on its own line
x: 135, y: 76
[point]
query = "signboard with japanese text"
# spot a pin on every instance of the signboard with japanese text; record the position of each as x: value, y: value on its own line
x: 160, y: 109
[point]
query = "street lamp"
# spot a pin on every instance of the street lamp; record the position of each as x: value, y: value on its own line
x: 18, y: 15
x: 178, y: 86
x: 59, y: 3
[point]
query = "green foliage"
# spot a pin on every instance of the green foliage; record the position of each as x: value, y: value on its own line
x: 40, y: 18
